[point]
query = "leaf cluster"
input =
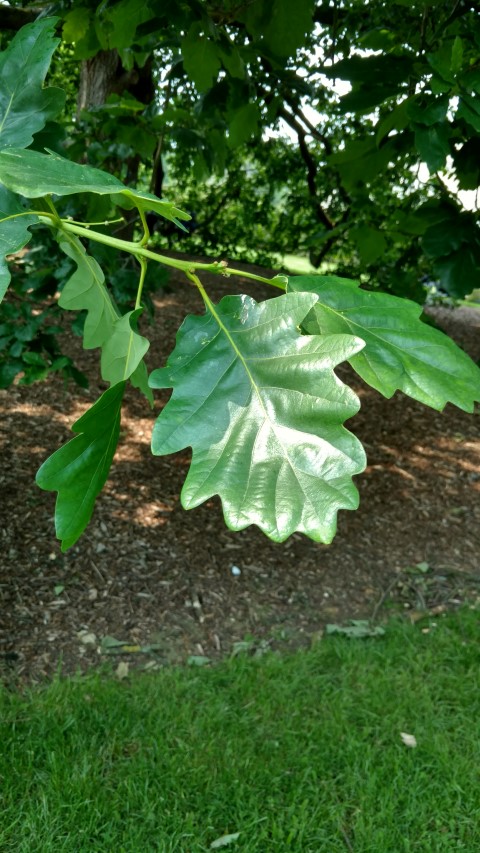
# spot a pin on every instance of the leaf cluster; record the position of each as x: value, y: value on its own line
x: 254, y: 389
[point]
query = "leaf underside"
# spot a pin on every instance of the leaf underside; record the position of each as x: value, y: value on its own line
x: 78, y: 470
x: 401, y: 352
x: 34, y: 174
x: 262, y: 410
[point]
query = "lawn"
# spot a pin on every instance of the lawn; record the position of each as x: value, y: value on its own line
x: 295, y: 753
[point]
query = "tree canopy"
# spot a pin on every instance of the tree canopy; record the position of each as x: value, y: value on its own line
x: 234, y: 107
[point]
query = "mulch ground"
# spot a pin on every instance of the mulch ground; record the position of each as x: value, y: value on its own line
x: 149, y: 584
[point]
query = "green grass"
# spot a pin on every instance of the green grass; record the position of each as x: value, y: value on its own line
x: 297, y: 753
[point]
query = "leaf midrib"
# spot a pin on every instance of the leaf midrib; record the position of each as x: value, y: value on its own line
x: 226, y: 332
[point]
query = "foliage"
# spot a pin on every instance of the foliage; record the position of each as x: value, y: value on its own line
x: 197, y: 89
x: 295, y: 752
x: 254, y: 390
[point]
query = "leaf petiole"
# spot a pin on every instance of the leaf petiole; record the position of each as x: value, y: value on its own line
x: 143, y: 272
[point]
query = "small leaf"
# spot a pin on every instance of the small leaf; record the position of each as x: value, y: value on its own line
x: 224, y: 840
x: 14, y: 233
x: 284, y: 32
x: 401, y: 352
x: 457, y: 55
x: 25, y: 107
x: 459, y: 272
x: 262, y: 409
x: 244, y: 124
x: 124, y: 349
x: 432, y: 144
x: 409, y: 740
x: 356, y: 629
x: 86, y: 290
x: 370, y: 242
x: 122, y: 670
x: 79, y: 469
x: 139, y: 379
x: 469, y: 109
x: 200, y: 58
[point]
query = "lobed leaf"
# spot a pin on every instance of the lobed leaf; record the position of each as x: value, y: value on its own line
x: 122, y: 346
x: 86, y: 290
x: 33, y: 174
x: 401, y: 352
x: 262, y: 410
x: 78, y: 470
x: 124, y: 349
x: 14, y: 233
x: 25, y: 106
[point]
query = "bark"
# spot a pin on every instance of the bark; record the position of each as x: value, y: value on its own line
x: 97, y: 79
x: 15, y: 19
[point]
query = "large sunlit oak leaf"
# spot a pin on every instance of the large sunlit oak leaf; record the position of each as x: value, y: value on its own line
x: 78, y: 470
x: 263, y: 411
x: 33, y: 174
x: 25, y: 107
x: 401, y: 352
x: 14, y: 233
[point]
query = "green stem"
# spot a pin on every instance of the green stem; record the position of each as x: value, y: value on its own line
x: 138, y: 249
x: 49, y: 202
x: 146, y: 232
x: 216, y: 267
x: 143, y: 271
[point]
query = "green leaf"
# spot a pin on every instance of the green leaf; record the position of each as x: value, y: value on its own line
x: 432, y: 144
x: 200, y: 58
x: 427, y: 109
x: 76, y: 24
x: 78, y: 470
x: 139, y: 379
x: 244, y: 125
x: 116, y: 26
x: 467, y: 164
x: 457, y: 55
x: 232, y: 60
x: 284, y: 32
x: 25, y: 106
x: 370, y: 242
x: 356, y: 629
x: 14, y: 233
x: 86, y: 290
x: 272, y: 23
x: 124, y: 349
x: 459, y: 272
x: 262, y: 409
x: 446, y: 236
x: 401, y: 352
x: 469, y: 109
x: 33, y: 174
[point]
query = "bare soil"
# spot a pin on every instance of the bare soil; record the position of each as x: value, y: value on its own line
x: 159, y: 580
